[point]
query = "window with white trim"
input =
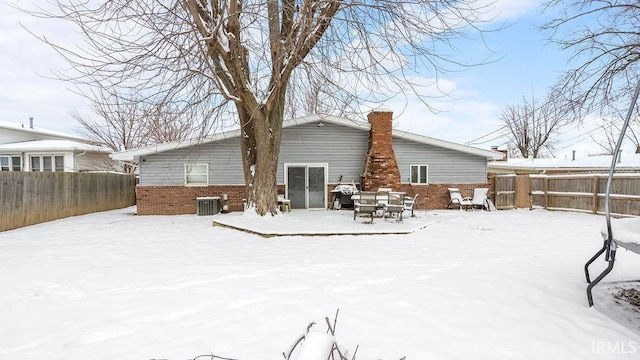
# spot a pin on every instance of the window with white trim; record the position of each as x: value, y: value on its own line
x: 10, y: 163
x: 418, y: 174
x: 59, y: 163
x: 196, y: 174
x: 47, y: 163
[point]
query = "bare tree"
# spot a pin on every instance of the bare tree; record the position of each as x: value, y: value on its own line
x: 313, y: 92
x: 533, y: 127
x: 608, y: 144
x: 611, y: 129
x: 164, y: 124
x: 123, y: 124
x: 220, y: 55
x: 604, y: 39
x: 118, y: 126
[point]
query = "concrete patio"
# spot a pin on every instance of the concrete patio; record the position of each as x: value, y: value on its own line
x: 327, y: 222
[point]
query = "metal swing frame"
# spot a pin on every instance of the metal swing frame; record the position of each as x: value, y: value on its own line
x: 609, y: 246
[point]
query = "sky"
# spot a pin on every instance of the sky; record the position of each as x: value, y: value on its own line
x: 524, y: 64
x: 462, y: 285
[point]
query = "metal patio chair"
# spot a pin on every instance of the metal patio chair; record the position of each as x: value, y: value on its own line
x: 365, y: 202
x: 395, y: 204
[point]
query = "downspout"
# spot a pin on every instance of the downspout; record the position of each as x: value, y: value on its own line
x: 75, y: 160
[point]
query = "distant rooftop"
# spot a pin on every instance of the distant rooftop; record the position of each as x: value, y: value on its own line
x: 40, y: 131
x: 598, y: 162
x: 54, y: 145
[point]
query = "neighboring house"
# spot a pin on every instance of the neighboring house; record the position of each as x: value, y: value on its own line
x: 317, y: 153
x: 40, y: 150
x: 628, y: 162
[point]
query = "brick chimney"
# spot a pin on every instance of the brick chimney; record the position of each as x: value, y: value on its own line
x: 380, y: 166
x: 505, y: 153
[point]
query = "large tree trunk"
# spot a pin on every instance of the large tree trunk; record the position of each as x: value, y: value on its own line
x: 294, y: 29
x: 260, y: 144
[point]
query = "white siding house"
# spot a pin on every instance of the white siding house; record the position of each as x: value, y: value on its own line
x: 25, y: 148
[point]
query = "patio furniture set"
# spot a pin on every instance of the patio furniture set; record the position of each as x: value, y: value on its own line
x: 389, y: 203
x: 479, y: 200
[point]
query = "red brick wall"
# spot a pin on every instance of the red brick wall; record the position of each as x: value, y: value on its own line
x: 436, y: 196
x: 431, y: 196
x: 381, y: 167
x: 174, y: 200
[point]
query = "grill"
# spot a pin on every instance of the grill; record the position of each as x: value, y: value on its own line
x: 342, y: 196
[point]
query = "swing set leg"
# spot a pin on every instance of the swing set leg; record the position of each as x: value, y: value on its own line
x: 612, y: 259
x: 586, y: 266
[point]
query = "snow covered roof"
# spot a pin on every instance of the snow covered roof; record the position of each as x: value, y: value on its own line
x: 628, y: 161
x: 53, y: 145
x: 134, y: 154
x: 17, y: 127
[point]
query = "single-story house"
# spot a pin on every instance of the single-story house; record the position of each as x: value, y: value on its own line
x: 317, y: 153
x: 30, y: 149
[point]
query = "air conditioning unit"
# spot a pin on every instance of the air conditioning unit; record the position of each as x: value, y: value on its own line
x: 208, y: 205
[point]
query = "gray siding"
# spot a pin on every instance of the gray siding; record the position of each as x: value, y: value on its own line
x: 445, y: 166
x: 167, y: 168
x: 342, y: 148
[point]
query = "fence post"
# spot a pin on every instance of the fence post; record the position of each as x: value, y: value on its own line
x: 545, y: 190
x: 594, y: 188
x: 492, y: 187
x: 523, y: 191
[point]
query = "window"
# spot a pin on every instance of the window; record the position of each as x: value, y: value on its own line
x: 196, y: 174
x: 35, y: 163
x: 10, y: 163
x: 47, y: 163
x: 16, y: 163
x: 59, y: 163
x: 419, y: 174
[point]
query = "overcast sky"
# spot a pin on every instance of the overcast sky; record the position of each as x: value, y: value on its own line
x: 525, y: 65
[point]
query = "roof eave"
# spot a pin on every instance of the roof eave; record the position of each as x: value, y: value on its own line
x: 43, y: 132
x: 135, y: 154
x: 489, y: 154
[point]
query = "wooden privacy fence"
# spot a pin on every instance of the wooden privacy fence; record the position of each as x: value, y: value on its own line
x: 579, y: 192
x: 28, y: 198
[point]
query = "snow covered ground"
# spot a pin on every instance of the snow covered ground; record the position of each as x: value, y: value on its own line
x: 468, y: 285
